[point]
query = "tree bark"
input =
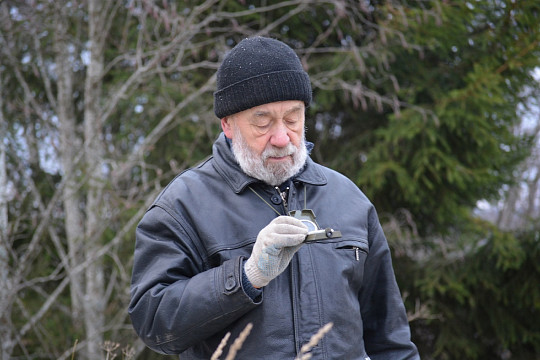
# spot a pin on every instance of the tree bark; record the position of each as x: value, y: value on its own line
x: 70, y: 144
x: 94, y: 305
x: 6, y: 335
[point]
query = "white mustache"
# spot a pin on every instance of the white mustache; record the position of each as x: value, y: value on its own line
x: 277, y: 152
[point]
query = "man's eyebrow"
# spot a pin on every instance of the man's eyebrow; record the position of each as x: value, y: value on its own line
x: 261, y: 113
x: 293, y: 110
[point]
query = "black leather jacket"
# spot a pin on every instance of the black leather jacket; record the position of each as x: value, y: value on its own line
x: 187, y: 292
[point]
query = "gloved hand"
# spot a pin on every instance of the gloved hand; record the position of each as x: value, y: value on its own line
x: 274, y: 248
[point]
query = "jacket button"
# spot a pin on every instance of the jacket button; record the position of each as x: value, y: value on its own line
x: 276, y: 199
x: 230, y: 283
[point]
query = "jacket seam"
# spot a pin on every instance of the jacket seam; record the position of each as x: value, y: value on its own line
x: 214, y: 250
x: 196, y: 327
x: 201, y: 252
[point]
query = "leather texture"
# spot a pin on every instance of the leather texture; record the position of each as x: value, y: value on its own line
x: 187, y: 293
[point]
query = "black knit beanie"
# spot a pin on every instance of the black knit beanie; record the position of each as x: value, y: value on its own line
x: 258, y: 71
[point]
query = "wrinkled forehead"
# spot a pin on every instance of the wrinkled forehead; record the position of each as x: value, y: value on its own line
x: 277, y: 109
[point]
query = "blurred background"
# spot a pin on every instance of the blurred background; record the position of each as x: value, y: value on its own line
x: 430, y: 107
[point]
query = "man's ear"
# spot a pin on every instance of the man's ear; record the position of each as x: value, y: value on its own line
x: 227, y: 127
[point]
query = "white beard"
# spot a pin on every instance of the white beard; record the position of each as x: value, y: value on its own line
x: 273, y: 173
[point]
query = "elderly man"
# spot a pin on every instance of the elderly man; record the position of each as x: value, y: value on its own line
x: 234, y: 240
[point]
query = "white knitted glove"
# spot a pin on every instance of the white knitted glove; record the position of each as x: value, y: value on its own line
x: 274, y: 248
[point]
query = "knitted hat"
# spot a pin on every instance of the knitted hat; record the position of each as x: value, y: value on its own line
x: 258, y: 71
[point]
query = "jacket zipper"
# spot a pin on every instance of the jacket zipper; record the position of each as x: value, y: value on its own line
x: 294, y: 287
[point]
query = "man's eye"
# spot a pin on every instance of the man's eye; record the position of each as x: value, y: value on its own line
x: 291, y: 122
x: 263, y: 126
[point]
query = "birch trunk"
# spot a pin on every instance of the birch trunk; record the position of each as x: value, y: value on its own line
x: 533, y: 199
x: 94, y: 302
x: 507, y: 216
x: 6, y: 335
x: 533, y: 202
x: 70, y: 144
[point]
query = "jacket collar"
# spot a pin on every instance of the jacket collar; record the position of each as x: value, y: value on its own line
x: 226, y: 165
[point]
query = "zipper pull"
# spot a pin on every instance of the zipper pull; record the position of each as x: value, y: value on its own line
x: 357, y: 253
x: 283, y: 196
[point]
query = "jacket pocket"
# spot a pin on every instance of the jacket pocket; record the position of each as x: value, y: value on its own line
x: 345, y: 260
x: 358, y: 249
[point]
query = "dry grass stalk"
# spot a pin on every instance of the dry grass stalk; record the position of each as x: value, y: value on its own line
x: 219, y: 350
x: 110, y: 348
x: 237, y: 345
x: 74, y: 349
x: 128, y: 353
x: 304, y: 351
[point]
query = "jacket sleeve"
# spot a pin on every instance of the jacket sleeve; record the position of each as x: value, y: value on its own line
x: 386, y: 328
x: 176, y: 302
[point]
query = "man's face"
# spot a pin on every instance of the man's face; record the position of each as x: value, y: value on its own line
x: 268, y: 140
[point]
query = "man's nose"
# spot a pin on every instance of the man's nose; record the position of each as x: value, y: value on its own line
x: 280, y: 136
